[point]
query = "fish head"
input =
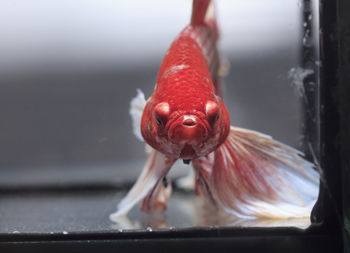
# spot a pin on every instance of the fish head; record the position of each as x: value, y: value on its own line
x: 185, y: 133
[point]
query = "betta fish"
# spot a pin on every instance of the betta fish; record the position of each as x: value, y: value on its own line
x: 244, y: 172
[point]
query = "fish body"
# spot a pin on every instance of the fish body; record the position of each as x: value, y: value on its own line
x: 243, y: 172
x: 185, y: 116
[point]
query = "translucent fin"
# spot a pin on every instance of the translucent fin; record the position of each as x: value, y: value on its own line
x: 224, y: 68
x: 156, y: 200
x: 203, y: 167
x: 211, y: 12
x: 256, y: 176
x: 199, y: 11
x: 154, y: 171
x: 137, y: 105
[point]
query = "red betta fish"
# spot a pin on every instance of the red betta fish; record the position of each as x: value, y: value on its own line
x: 243, y: 172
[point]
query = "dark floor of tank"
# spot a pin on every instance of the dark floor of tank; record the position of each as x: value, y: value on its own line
x: 89, y: 210
x: 82, y: 202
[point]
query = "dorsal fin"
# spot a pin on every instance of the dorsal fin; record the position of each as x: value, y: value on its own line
x: 199, y: 11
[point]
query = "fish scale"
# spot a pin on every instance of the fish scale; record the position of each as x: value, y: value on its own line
x: 191, y: 84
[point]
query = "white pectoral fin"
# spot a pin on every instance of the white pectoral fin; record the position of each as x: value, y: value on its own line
x: 147, y: 185
x: 256, y: 176
x: 224, y: 68
x: 156, y: 200
x: 137, y: 105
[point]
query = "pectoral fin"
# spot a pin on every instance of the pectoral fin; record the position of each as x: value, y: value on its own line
x: 256, y: 176
x: 137, y: 105
x: 147, y: 186
x: 156, y: 200
x: 203, y: 168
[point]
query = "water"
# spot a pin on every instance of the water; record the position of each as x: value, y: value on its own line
x: 66, y: 137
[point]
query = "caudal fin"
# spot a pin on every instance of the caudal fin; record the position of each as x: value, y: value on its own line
x: 203, y: 11
x: 256, y: 176
x: 199, y: 11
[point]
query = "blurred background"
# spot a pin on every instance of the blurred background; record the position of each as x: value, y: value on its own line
x: 68, y: 70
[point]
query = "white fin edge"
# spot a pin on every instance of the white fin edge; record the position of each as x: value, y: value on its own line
x: 137, y: 106
x: 156, y: 168
x: 211, y: 12
x: 256, y: 176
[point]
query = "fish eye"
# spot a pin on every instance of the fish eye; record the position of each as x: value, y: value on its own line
x: 159, y: 122
x: 212, y: 111
x: 161, y: 113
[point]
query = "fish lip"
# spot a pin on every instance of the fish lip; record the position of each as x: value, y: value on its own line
x: 173, y: 118
x: 171, y: 128
x: 176, y: 116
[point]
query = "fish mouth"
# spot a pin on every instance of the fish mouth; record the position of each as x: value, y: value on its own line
x: 187, y: 132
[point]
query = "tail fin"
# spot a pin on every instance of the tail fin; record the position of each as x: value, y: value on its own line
x: 204, y: 19
x: 203, y: 11
x: 199, y: 11
x: 256, y: 176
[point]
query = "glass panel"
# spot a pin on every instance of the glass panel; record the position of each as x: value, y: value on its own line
x: 68, y: 70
